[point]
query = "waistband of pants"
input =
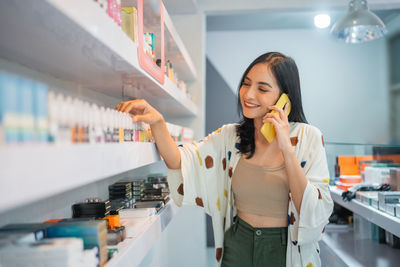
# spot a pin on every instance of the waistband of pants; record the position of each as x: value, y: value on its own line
x: 266, y: 232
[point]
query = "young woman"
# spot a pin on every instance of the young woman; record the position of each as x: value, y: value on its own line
x: 269, y: 202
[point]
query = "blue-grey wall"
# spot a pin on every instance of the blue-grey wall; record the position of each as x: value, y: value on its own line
x: 221, y: 102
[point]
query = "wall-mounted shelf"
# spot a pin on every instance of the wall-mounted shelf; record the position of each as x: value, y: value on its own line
x: 76, y: 41
x: 176, y: 51
x: 382, y: 219
x: 132, y: 251
x: 34, y: 172
x: 343, y: 248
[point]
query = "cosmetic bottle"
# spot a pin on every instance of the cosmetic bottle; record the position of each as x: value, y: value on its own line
x: 108, y: 125
x: 85, y: 122
x: 41, y: 113
x: 26, y: 132
x: 11, y: 117
x: 95, y: 133
x: 129, y: 134
x: 53, y: 116
x: 66, y: 116
x: 115, y: 124
x: 103, y: 120
x: 121, y: 126
x: 74, y: 111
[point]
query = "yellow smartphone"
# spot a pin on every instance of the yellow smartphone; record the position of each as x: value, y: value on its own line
x: 268, y: 129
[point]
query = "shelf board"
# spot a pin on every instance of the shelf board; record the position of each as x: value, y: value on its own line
x: 382, y: 219
x: 33, y: 172
x: 348, y: 250
x: 132, y: 251
x: 76, y: 41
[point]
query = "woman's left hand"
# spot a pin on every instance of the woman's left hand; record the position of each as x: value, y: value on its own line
x: 281, y: 125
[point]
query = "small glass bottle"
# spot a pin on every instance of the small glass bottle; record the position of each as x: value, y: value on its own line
x: 121, y: 126
x: 53, y: 116
x: 66, y: 117
x: 109, y: 125
x: 85, y: 122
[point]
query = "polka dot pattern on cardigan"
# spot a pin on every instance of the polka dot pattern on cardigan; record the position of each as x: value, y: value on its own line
x: 180, y: 189
x: 294, y: 140
x: 199, y: 202
x: 209, y: 162
x: 319, y: 194
x: 292, y: 218
x: 218, y: 254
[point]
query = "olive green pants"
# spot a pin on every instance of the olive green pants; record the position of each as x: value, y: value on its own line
x: 248, y: 246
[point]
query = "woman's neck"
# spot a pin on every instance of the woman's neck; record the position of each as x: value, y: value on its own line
x: 258, y: 137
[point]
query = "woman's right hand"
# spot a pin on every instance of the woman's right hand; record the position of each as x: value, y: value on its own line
x: 141, y: 111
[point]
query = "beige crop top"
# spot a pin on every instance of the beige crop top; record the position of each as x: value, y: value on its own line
x: 261, y: 190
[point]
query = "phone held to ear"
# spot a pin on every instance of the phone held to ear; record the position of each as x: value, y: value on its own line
x: 268, y: 129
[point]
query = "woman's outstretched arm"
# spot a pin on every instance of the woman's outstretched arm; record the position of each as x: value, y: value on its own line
x: 144, y: 112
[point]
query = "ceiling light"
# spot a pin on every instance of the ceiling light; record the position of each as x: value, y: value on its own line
x: 322, y: 20
x: 359, y: 25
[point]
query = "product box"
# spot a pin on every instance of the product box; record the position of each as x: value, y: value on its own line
x: 63, y: 252
x: 381, y: 206
x: 392, y: 197
x: 391, y: 209
x: 375, y: 203
x: 366, y: 197
x: 398, y: 210
x: 395, y: 179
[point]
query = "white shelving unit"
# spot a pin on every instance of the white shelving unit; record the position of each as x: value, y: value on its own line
x: 30, y: 173
x: 132, y: 250
x: 76, y: 41
x: 382, y: 219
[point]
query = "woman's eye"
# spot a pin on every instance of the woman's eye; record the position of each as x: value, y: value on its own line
x: 245, y: 84
x: 262, y: 90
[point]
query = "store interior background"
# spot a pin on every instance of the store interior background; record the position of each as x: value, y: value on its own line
x: 346, y: 91
x: 346, y: 88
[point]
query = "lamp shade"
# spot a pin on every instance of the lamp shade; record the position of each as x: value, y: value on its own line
x: 359, y: 25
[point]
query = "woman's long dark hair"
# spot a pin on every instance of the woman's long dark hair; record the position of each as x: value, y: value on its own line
x: 286, y: 74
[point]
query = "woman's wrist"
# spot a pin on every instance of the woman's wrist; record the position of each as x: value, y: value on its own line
x: 288, y: 151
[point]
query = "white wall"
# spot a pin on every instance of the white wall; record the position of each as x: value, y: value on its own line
x: 344, y: 87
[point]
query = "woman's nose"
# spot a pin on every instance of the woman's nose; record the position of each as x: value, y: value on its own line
x: 250, y: 92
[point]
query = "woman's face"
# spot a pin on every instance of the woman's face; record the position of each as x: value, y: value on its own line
x: 258, y: 91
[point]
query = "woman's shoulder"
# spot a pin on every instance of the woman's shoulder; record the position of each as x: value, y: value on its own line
x: 229, y: 129
x: 297, y: 128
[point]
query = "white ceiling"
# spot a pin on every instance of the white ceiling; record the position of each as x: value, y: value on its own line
x: 218, y: 7
x: 272, y: 14
x: 268, y: 20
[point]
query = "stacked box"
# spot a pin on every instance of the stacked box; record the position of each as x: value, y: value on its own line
x: 156, y: 189
x: 367, y: 198
x: 138, y: 189
x: 89, y: 209
x: 92, y: 232
x: 391, y: 209
x: 61, y: 252
x: 398, y: 210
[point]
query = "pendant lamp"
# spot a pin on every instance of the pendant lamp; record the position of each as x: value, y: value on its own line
x: 359, y: 25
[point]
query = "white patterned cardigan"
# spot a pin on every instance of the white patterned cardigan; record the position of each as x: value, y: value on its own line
x: 205, y: 180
